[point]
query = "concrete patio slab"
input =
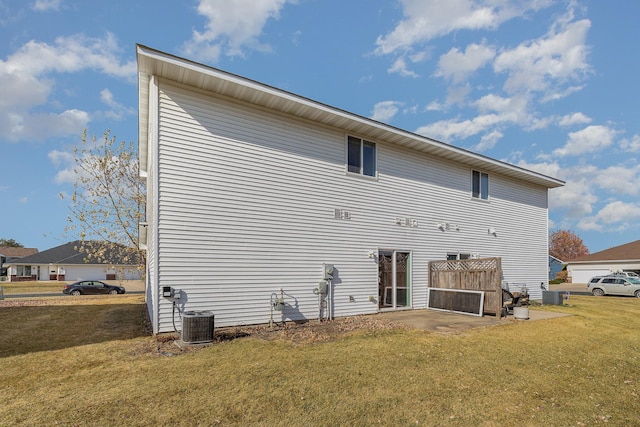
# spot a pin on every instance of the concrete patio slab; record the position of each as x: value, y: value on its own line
x: 442, y: 321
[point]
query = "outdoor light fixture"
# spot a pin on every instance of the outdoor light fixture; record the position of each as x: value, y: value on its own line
x: 492, y: 231
x: 444, y: 226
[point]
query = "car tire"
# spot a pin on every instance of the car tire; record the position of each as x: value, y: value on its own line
x: 597, y: 292
x: 75, y: 293
x: 637, y: 294
x: 113, y: 292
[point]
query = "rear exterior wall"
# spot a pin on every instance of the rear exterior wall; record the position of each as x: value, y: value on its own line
x: 242, y: 205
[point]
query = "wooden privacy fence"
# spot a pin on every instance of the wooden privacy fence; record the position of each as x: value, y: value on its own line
x: 482, y: 274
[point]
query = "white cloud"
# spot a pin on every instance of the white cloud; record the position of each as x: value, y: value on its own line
x: 435, y: 106
x: 117, y: 110
x: 39, y: 126
x: 495, y: 110
x: 588, y: 140
x: 513, y: 109
x: 23, y: 200
x: 631, y: 145
x: 582, y: 192
x: 457, y: 95
x: 27, y: 81
x: 231, y: 26
x: 427, y: 19
x: 384, y: 111
x: 457, y: 66
x: 615, y: 216
x: 447, y: 130
x: 68, y: 55
x: 400, y: 66
x: 576, y: 198
x: 534, y: 71
x: 574, y: 119
x: 541, y: 64
x: 618, y: 179
x: 60, y: 158
x: 556, y: 93
x: 46, y: 5
x: 66, y: 176
x: 489, y: 141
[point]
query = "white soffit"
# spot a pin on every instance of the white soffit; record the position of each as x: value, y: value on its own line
x: 164, y: 65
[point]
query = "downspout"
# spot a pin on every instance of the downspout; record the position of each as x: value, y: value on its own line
x: 152, y: 146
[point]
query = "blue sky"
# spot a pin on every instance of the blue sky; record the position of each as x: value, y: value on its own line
x: 547, y: 85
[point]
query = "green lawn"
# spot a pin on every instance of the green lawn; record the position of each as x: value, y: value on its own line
x: 89, y: 361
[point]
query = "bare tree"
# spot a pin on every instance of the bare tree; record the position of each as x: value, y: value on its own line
x: 566, y: 245
x: 108, y: 200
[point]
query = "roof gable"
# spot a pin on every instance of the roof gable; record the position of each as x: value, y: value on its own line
x: 627, y: 252
x: 154, y: 64
x: 11, y: 252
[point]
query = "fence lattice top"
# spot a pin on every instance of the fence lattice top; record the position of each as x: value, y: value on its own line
x: 464, y: 265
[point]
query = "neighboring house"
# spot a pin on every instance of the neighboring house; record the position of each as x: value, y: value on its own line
x: 555, y: 267
x: 251, y: 190
x: 617, y: 259
x: 69, y: 262
x: 8, y: 254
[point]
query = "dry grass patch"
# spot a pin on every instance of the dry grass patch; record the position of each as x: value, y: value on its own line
x: 577, y: 370
x: 63, y: 322
x: 12, y: 288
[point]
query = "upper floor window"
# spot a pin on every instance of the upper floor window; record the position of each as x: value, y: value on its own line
x: 361, y: 156
x: 480, y: 185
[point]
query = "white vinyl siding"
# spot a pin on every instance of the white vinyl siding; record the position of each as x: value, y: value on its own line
x: 246, y: 204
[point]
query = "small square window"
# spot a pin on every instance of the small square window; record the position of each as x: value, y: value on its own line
x: 480, y: 185
x: 361, y: 156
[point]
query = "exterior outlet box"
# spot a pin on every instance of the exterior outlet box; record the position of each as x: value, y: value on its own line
x: 169, y: 292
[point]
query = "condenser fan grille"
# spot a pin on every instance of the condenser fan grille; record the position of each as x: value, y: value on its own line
x: 197, y: 327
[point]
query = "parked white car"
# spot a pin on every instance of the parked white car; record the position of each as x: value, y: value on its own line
x: 626, y: 274
x: 614, y: 285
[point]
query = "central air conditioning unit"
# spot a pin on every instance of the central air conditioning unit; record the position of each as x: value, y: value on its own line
x: 197, y: 327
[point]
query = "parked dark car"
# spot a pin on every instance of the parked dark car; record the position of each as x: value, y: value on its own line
x: 92, y: 287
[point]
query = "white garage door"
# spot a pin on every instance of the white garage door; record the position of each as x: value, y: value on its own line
x: 84, y: 272
x: 583, y: 276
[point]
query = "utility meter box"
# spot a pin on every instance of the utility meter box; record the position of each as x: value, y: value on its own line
x: 328, y: 271
x: 322, y: 287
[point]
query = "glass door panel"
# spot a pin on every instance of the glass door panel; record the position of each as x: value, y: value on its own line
x: 394, y: 279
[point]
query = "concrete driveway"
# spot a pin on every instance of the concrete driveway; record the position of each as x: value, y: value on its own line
x: 572, y: 288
